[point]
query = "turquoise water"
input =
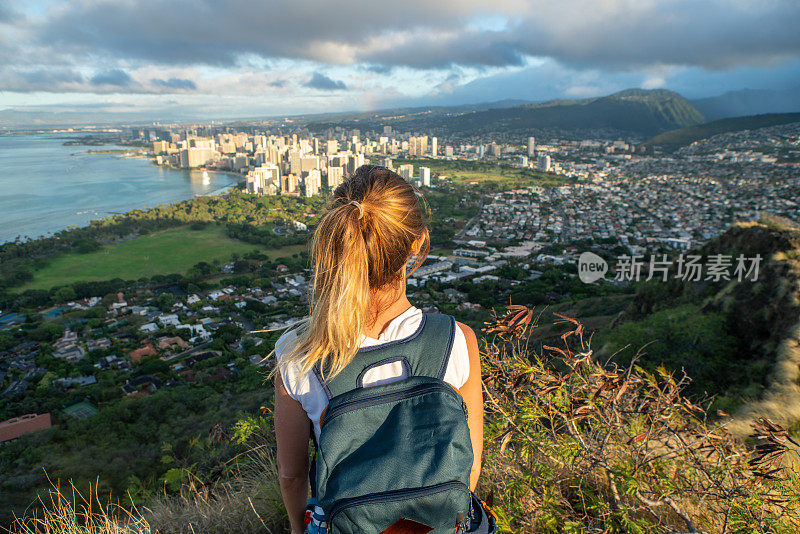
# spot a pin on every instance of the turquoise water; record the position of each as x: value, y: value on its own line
x: 46, y: 186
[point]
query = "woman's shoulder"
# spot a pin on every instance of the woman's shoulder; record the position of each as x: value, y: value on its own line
x: 285, y: 342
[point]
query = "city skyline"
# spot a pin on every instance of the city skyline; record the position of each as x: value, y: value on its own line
x: 233, y: 59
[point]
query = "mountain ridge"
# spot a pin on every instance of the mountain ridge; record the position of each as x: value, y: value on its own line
x: 637, y: 112
x: 675, y: 139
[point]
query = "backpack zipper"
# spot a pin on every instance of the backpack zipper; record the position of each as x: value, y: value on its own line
x: 390, y: 496
x: 391, y: 396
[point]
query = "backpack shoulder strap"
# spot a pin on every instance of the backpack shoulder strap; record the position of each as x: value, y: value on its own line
x: 426, y: 352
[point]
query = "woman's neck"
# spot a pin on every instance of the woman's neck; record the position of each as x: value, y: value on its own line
x: 392, y: 303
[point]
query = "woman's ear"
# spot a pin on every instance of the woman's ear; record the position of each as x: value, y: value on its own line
x: 416, y: 246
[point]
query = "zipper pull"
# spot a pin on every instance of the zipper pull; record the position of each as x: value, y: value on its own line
x: 460, y: 525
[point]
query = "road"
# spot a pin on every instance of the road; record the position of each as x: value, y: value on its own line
x: 460, y: 235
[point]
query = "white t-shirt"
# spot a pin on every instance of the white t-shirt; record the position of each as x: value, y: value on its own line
x: 307, y: 390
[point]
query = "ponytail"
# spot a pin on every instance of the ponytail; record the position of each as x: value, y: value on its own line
x: 360, y: 245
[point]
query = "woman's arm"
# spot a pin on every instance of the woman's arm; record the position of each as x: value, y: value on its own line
x: 472, y: 392
x: 292, y: 433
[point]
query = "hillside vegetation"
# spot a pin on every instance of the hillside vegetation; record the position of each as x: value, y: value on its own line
x: 637, y: 112
x: 726, y: 334
x: 571, y: 446
x: 675, y: 139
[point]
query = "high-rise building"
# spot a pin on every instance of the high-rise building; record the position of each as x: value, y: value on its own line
x: 335, y: 177
x: 418, y: 146
x: 422, y: 145
x: 332, y: 147
x: 448, y: 151
x: 308, y: 163
x: 241, y: 162
x: 387, y: 162
x: 227, y: 145
x: 481, y: 151
x: 192, y: 157
x: 531, y: 147
x: 496, y: 149
x: 289, y: 184
x: 406, y: 171
x: 544, y: 162
x: 312, y: 183
x: 160, y: 147
x: 434, y: 147
x: 265, y: 179
x: 425, y: 176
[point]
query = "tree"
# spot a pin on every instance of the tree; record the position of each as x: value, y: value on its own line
x: 65, y: 294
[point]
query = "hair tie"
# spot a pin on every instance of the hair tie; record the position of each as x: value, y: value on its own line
x: 357, y: 204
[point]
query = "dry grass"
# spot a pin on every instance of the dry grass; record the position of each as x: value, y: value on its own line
x: 781, y: 402
x: 574, y: 445
x: 73, y: 513
x: 246, y: 503
x: 249, y: 503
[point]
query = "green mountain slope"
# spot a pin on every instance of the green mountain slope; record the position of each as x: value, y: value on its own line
x: 726, y: 334
x: 634, y: 111
x: 675, y: 139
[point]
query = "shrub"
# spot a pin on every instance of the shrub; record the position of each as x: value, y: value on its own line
x: 573, y: 445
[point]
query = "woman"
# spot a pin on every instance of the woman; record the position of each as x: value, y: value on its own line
x: 360, y: 252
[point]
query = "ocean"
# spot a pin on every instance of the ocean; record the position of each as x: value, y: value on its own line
x: 46, y: 186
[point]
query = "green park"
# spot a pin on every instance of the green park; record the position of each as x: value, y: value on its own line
x: 161, y: 252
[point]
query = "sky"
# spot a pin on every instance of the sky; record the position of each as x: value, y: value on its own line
x: 171, y: 59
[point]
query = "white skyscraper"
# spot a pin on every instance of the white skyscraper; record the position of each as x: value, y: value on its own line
x: 264, y: 179
x: 425, y: 176
x: 544, y: 162
x: 406, y: 171
x: 312, y: 183
x: 434, y: 147
x: 335, y: 177
x: 531, y: 147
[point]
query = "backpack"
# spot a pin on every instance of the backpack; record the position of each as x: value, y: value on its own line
x: 396, y: 457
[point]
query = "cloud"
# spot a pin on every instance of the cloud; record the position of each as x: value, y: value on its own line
x: 714, y: 34
x: 116, y: 77
x: 7, y: 13
x: 378, y: 69
x: 40, y: 80
x: 323, y: 83
x: 175, y: 83
x: 446, y: 51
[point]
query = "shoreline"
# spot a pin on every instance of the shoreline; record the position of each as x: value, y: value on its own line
x: 236, y: 178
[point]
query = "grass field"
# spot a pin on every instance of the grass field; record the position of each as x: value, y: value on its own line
x: 485, y: 173
x: 165, y: 252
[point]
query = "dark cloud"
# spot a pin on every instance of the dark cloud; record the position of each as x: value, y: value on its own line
x: 51, y: 80
x: 51, y: 76
x: 471, y: 48
x: 116, y: 77
x: 279, y: 84
x: 323, y: 83
x: 8, y: 13
x: 715, y: 34
x: 219, y: 32
x: 378, y: 69
x: 175, y: 83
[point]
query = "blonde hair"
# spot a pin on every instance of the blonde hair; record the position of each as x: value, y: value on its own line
x: 361, y: 244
